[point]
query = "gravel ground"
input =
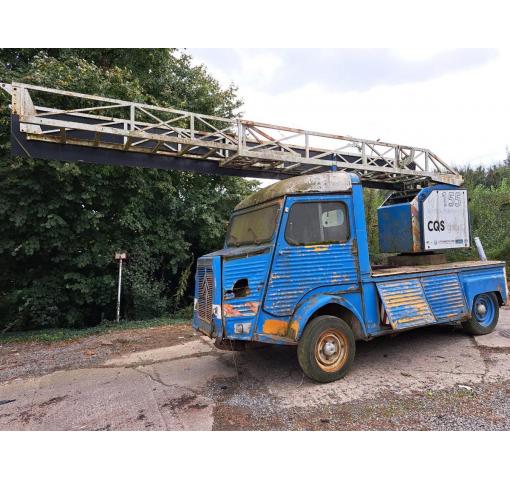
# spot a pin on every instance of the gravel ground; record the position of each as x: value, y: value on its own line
x: 245, y: 403
x: 476, y: 407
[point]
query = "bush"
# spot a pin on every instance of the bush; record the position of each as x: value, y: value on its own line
x: 146, y: 292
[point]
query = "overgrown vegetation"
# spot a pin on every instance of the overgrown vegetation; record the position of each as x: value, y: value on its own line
x: 373, y: 199
x: 489, y: 209
x: 61, y: 223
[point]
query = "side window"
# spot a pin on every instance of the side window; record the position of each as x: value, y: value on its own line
x: 317, y: 222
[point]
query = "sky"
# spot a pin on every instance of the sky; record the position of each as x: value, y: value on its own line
x: 455, y: 102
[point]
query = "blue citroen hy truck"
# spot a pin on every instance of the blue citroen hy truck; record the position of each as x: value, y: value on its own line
x: 295, y: 270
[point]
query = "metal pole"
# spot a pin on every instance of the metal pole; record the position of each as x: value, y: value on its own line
x: 481, y: 251
x: 118, y: 291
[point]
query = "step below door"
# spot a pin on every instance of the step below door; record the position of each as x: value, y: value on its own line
x: 405, y: 304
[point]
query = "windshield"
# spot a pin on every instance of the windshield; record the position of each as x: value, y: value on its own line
x: 253, y: 227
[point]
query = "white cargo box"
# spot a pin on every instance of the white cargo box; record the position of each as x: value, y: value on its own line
x: 445, y: 220
x: 434, y: 218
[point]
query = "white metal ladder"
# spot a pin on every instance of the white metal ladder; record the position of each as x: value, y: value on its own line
x: 230, y: 143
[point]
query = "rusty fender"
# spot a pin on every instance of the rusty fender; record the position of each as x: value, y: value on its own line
x: 309, y: 306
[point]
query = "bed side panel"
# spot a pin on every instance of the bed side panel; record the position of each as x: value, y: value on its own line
x: 445, y: 297
x: 482, y: 281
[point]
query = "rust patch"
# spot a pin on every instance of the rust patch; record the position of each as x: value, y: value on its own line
x: 294, y: 328
x: 275, y: 327
x: 320, y: 182
x: 415, y: 226
x: 253, y: 306
x: 230, y: 311
x: 318, y: 248
x: 336, y: 277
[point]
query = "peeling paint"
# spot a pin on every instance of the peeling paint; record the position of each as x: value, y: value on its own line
x: 318, y: 248
x: 275, y: 327
x: 415, y: 226
x: 294, y: 329
x: 405, y: 303
x: 299, y: 269
x: 230, y: 311
x: 253, y: 306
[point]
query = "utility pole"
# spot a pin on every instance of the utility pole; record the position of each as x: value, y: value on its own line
x: 120, y: 256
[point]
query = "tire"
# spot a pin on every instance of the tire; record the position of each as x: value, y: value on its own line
x: 484, y: 315
x: 321, y: 334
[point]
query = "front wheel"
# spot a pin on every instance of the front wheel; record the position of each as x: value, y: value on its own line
x: 326, y: 349
x: 484, y: 316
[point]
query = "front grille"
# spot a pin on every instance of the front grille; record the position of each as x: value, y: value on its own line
x: 205, y: 291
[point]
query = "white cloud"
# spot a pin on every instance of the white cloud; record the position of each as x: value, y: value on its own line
x: 260, y: 68
x: 462, y: 114
x: 418, y: 54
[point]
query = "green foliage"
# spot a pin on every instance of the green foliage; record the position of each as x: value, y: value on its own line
x: 182, y: 285
x: 373, y: 199
x: 489, y: 210
x: 146, y: 289
x: 491, y: 176
x: 61, y: 223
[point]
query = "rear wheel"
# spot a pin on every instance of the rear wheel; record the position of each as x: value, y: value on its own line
x: 326, y: 349
x: 484, y: 316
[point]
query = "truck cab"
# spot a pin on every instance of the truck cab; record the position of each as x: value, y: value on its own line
x: 295, y: 270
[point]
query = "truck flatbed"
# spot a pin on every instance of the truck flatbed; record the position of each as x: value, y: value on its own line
x: 386, y: 271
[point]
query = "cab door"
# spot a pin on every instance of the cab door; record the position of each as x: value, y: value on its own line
x: 316, y: 248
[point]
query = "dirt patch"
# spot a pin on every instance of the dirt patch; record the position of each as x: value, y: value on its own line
x: 53, y: 401
x: 39, y: 358
x: 180, y: 402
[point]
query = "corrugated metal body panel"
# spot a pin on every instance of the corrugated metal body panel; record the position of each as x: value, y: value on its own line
x: 405, y: 303
x: 445, y: 297
x: 253, y: 269
x: 298, y: 269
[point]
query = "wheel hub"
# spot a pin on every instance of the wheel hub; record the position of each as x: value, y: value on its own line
x: 329, y: 348
x: 485, y: 309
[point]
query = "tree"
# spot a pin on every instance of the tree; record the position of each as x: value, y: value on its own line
x: 60, y: 223
x: 373, y: 199
x: 489, y: 211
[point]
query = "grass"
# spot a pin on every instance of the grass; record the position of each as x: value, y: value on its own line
x: 59, y: 334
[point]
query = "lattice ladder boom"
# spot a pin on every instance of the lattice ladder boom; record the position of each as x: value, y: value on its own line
x: 105, y: 130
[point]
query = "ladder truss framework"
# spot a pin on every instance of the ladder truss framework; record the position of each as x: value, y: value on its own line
x: 103, y: 130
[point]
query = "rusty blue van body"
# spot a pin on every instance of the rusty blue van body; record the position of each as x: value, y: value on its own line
x: 298, y: 250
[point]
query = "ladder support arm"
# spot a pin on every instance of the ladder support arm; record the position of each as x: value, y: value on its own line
x: 118, y: 131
